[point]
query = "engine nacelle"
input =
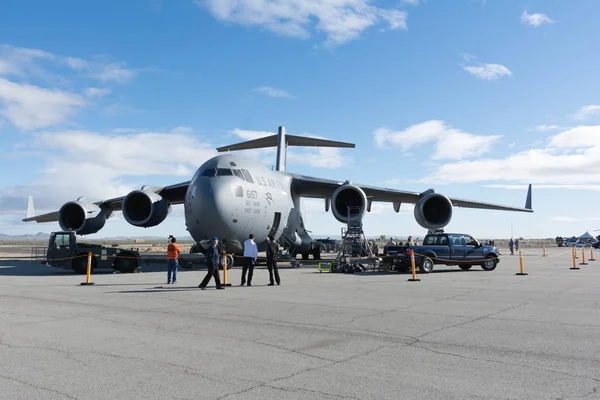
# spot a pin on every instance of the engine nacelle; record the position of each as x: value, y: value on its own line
x: 81, y: 218
x: 145, y: 209
x: 346, y: 196
x: 433, y: 211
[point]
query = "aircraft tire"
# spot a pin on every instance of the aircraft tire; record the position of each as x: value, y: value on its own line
x: 79, y: 263
x: 426, y: 265
x: 305, y: 256
x: 128, y: 264
x: 465, y: 267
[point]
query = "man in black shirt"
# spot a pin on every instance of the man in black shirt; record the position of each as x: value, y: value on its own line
x: 272, y: 252
x: 213, y: 259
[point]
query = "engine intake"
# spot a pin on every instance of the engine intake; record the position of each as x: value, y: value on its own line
x: 145, y: 209
x: 82, y: 218
x: 433, y: 211
x: 348, y: 196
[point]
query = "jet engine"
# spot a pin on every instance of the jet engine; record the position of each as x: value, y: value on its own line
x: 346, y: 196
x: 433, y: 211
x: 81, y: 217
x: 145, y: 209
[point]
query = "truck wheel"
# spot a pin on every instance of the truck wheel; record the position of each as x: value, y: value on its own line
x: 426, y: 265
x: 489, y: 264
x: 126, y: 262
x: 465, y: 267
x: 79, y: 263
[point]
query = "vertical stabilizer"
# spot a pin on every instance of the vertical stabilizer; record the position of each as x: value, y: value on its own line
x: 30, y: 209
x: 281, y: 150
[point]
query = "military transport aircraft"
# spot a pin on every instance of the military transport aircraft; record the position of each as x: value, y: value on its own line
x: 232, y: 196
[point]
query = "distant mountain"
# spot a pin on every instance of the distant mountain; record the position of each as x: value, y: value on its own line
x: 28, y: 237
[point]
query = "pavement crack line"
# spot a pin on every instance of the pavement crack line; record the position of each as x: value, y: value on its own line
x: 471, y: 320
x: 38, y: 387
x: 269, y: 383
x: 420, y: 345
x: 296, y: 390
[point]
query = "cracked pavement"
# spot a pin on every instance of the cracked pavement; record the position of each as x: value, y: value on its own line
x: 454, y: 335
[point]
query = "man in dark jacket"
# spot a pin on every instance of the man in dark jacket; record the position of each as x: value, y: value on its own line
x: 213, y: 259
x: 272, y: 253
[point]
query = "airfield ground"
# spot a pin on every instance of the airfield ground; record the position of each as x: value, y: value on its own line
x: 453, y: 335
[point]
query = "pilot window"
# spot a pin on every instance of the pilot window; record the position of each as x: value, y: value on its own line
x: 224, y: 172
x: 247, y: 176
x: 209, y: 172
x: 238, y: 173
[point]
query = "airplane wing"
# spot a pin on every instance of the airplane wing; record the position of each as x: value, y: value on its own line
x: 175, y: 194
x: 306, y: 186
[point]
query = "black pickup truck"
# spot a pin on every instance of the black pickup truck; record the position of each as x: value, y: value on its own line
x: 449, y: 249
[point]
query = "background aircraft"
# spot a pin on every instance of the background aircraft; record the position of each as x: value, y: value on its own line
x: 231, y: 196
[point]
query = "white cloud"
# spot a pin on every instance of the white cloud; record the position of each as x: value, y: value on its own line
x: 569, y: 158
x: 535, y: 19
x: 32, y: 107
x: 488, y: 71
x: 318, y: 157
x: 18, y: 61
x: 546, y: 128
x: 586, y: 112
x: 574, y: 219
x: 341, y: 20
x: 561, y: 187
x: 274, y: 92
x: 451, y: 143
x: 102, y: 70
x: 96, y: 92
x: 102, y: 174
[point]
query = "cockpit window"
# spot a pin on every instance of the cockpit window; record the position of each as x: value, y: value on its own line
x: 247, y: 176
x: 209, y: 172
x: 224, y: 172
x: 238, y: 173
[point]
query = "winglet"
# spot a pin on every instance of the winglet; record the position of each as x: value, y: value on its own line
x: 528, y: 201
x: 30, y: 209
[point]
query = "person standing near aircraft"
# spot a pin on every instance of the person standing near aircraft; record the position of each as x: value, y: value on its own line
x: 173, y: 251
x: 272, y: 253
x: 250, y: 256
x: 213, y: 259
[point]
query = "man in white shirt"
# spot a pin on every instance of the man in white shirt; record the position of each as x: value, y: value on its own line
x: 250, y: 256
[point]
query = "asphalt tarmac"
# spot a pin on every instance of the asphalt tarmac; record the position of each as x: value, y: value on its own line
x: 453, y: 335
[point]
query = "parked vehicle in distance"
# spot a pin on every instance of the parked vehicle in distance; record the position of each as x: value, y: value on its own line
x: 64, y: 252
x: 449, y: 249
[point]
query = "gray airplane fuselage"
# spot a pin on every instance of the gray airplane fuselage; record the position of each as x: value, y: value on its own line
x: 231, y: 197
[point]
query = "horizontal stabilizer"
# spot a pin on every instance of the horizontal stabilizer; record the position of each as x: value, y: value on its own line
x: 291, y: 140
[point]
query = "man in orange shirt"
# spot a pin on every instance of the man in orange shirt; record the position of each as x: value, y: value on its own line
x: 173, y: 251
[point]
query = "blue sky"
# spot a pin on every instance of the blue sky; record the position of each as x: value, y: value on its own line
x: 473, y: 98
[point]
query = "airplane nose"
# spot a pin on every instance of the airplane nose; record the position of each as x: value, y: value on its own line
x: 208, y: 204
